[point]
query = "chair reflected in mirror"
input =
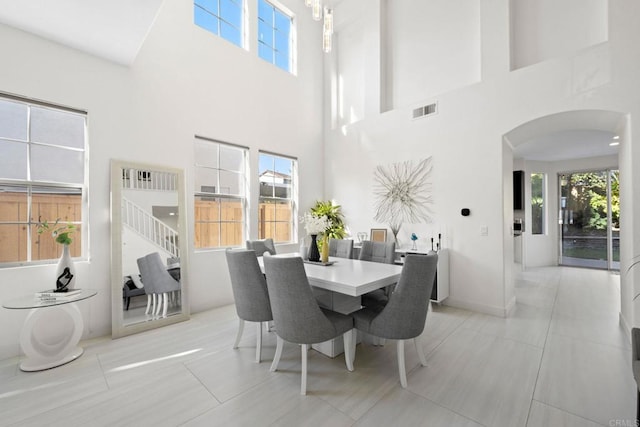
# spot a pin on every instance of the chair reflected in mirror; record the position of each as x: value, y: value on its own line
x: 158, y: 284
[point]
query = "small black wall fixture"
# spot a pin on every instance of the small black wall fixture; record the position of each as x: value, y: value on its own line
x: 465, y: 212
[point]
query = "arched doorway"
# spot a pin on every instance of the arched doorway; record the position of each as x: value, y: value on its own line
x: 547, y: 149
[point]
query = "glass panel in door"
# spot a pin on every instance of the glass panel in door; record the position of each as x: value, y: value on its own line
x: 588, y: 233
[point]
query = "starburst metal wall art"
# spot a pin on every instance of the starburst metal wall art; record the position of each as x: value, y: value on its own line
x: 403, y: 194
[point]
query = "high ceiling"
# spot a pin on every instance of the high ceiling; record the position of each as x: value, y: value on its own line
x: 112, y: 29
x: 115, y: 30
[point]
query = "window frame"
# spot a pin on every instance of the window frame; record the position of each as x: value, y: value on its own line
x: 243, y: 199
x: 220, y: 19
x: 64, y: 187
x: 293, y: 199
x: 283, y: 10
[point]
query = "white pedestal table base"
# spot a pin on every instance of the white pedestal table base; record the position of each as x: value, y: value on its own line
x: 50, y: 337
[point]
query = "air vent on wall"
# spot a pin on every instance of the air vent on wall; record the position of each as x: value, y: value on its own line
x: 424, y: 111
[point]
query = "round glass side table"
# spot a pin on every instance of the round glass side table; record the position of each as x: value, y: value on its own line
x: 52, y: 330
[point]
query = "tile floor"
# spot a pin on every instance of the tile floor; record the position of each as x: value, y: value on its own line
x: 561, y: 359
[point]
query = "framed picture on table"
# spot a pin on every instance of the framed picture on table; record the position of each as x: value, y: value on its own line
x: 378, y: 234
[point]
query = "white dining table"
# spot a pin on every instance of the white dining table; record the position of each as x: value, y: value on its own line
x: 340, y: 285
x: 350, y: 277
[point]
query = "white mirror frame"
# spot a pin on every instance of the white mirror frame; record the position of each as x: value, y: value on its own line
x: 118, y: 327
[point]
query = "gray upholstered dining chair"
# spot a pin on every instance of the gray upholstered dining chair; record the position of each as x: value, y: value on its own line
x: 635, y: 366
x: 341, y: 248
x: 405, y: 314
x: 262, y: 246
x: 384, y: 252
x: 157, y: 281
x: 250, y: 293
x: 296, y: 315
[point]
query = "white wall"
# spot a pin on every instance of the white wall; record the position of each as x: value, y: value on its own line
x: 508, y: 238
x: 465, y: 140
x: 432, y: 47
x: 546, y: 29
x: 185, y: 81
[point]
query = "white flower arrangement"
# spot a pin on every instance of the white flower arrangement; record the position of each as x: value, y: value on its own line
x: 315, y: 224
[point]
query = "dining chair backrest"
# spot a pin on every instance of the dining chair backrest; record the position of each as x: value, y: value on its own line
x: 249, y: 286
x: 405, y: 314
x: 296, y: 315
x: 262, y: 246
x: 341, y: 248
x: 384, y: 252
x: 155, y: 277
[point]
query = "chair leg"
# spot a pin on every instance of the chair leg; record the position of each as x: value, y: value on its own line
x: 276, y: 357
x: 423, y: 360
x: 148, y: 303
x: 259, y: 342
x: 354, y: 339
x: 163, y: 304
x: 165, y: 298
x: 239, y: 335
x: 401, y: 367
x: 303, y: 381
x: 158, y: 305
x: 154, y: 306
x: 638, y: 409
x: 348, y: 348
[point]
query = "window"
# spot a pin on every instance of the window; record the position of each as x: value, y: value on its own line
x: 537, y: 203
x: 220, y: 194
x: 42, y: 177
x: 275, y: 39
x: 221, y: 17
x: 277, y: 209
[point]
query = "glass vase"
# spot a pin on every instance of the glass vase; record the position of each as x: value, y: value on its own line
x: 325, y: 249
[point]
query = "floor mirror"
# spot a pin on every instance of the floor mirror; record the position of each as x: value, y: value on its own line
x: 149, y: 274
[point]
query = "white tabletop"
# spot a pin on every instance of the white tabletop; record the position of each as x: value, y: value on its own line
x: 348, y: 276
